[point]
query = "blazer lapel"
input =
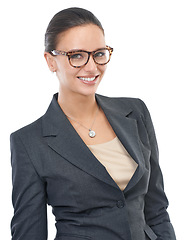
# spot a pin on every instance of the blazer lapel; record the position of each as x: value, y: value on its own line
x: 63, y: 139
x: 127, y: 132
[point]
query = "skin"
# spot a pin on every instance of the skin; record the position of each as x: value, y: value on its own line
x: 77, y: 97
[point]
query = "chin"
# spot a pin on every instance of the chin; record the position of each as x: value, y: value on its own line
x: 87, y: 93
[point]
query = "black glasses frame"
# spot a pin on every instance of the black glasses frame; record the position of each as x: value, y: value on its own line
x: 68, y: 54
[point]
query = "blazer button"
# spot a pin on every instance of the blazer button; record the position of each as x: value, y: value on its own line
x: 120, y: 204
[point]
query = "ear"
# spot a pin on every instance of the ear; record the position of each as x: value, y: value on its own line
x: 50, y: 61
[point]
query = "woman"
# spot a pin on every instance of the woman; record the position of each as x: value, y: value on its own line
x: 94, y: 159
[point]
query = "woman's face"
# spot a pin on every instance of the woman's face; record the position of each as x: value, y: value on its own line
x: 83, y: 80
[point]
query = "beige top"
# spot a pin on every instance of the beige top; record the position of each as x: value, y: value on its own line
x: 116, y: 160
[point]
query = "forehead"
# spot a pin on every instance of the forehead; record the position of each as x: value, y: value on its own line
x: 87, y: 37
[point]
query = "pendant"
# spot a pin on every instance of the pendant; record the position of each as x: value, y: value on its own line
x: 92, y: 133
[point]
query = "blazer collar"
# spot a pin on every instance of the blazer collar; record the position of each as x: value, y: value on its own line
x: 62, y: 138
x: 54, y: 117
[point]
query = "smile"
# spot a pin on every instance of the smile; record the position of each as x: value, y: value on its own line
x: 87, y: 78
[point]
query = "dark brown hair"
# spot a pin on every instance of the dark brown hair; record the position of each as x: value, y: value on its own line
x: 66, y: 19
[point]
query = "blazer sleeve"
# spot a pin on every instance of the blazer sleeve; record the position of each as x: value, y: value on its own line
x: 28, y: 196
x: 156, y: 202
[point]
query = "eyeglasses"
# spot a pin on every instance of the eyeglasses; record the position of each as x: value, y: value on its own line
x: 79, y: 58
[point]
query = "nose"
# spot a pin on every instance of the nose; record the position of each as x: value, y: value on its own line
x: 91, y: 65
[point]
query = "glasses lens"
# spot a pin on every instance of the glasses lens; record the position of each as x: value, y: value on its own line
x: 78, y: 59
x: 102, y: 56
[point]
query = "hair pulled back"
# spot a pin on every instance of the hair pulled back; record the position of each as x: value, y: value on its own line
x: 66, y: 19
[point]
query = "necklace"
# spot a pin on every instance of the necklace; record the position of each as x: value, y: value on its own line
x: 91, y: 133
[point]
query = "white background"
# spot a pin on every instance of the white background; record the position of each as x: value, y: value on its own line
x: 148, y: 62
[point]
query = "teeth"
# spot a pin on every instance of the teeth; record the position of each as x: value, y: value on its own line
x: 87, y: 79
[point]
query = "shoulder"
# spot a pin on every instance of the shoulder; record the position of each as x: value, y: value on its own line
x: 126, y: 104
x: 29, y: 131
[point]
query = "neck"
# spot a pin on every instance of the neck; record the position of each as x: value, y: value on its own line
x: 80, y: 107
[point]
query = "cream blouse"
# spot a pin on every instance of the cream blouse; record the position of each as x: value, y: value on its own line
x: 116, y: 160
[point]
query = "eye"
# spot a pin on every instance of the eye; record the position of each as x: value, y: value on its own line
x: 99, y: 54
x: 77, y: 56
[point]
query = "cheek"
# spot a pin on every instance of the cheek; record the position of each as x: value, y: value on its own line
x: 64, y: 70
x: 102, y: 69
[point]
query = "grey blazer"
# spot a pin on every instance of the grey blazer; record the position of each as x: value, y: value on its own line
x: 52, y: 165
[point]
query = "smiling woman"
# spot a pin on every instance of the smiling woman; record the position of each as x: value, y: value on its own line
x: 83, y: 67
x: 94, y: 159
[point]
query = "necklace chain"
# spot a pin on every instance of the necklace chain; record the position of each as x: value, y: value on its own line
x: 92, y: 133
